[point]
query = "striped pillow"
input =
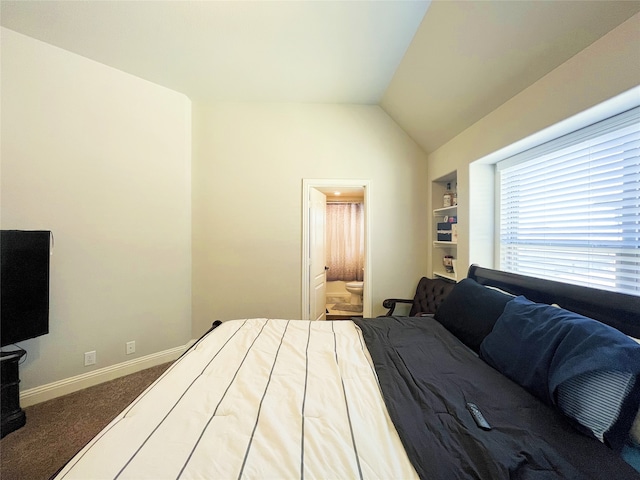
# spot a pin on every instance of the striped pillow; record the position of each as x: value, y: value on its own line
x: 594, y: 399
x: 635, y: 430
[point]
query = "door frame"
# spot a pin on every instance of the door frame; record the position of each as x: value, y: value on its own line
x: 323, y: 184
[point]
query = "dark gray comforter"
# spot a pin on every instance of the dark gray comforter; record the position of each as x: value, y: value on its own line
x: 427, y: 376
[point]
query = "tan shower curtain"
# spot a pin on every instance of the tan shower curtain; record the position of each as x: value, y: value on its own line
x: 345, y: 241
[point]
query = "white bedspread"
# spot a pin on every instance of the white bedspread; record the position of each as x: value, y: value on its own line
x: 256, y: 398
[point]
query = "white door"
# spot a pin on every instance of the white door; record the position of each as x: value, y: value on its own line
x: 317, y: 257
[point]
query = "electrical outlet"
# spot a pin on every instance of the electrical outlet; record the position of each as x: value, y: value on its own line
x: 89, y: 358
x: 131, y: 347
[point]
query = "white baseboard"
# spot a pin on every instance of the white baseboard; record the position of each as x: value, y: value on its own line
x: 73, y: 384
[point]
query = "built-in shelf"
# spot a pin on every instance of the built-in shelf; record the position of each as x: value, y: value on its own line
x: 443, y: 248
x: 441, y: 212
x: 446, y: 275
x: 441, y: 243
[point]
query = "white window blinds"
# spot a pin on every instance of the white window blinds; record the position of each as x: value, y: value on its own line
x: 570, y: 208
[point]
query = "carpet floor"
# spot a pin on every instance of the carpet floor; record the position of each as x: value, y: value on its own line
x: 58, y: 428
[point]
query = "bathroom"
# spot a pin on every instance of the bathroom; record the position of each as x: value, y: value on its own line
x: 344, y: 254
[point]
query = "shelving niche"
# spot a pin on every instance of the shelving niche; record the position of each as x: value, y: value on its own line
x: 441, y: 248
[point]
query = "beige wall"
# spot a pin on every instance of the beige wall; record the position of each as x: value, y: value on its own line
x: 102, y: 159
x: 606, y: 68
x: 249, y: 162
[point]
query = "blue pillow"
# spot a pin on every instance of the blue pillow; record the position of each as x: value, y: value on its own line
x: 470, y: 311
x: 587, y: 369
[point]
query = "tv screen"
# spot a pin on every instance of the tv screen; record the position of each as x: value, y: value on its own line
x: 24, y: 285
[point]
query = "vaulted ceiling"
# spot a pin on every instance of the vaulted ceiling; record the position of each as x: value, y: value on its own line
x: 435, y: 67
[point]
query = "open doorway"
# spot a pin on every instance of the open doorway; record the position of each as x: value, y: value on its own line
x: 314, y: 291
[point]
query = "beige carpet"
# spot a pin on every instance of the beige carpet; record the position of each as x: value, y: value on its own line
x: 58, y: 428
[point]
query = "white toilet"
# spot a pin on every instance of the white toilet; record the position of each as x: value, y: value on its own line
x: 355, y: 289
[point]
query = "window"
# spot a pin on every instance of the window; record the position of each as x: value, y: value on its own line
x: 570, y: 208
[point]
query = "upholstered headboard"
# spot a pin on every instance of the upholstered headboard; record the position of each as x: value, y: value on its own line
x: 429, y: 295
x: 619, y: 310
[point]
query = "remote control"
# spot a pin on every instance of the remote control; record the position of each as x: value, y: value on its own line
x: 477, y: 416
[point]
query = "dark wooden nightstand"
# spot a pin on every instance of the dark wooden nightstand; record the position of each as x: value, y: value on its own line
x: 13, y: 417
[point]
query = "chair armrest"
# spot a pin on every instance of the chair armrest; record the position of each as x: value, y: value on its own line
x: 391, y: 303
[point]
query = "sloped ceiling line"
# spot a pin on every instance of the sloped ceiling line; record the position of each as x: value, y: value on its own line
x: 434, y: 67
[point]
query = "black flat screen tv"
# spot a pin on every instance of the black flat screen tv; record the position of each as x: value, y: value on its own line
x: 24, y: 285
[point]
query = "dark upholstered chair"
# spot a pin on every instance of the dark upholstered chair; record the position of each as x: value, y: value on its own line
x: 429, y: 294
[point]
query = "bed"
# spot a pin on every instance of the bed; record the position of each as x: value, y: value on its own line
x: 389, y: 397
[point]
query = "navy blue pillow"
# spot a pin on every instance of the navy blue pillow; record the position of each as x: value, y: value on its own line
x: 549, y: 350
x: 470, y: 311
